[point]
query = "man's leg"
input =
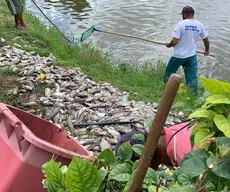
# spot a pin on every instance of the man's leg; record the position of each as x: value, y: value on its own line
x: 172, y: 67
x: 17, y: 21
x: 21, y: 20
x: 191, y: 73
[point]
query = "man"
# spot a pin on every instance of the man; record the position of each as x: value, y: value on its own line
x: 184, y: 40
x: 173, y: 145
x: 16, y: 8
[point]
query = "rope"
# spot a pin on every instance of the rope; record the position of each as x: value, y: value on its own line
x: 50, y: 21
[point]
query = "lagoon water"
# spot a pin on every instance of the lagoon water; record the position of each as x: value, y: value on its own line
x: 149, y: 19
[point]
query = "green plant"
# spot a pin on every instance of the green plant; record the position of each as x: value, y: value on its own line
x: 187, y: 102
x: 109, y: 172
x: 8, y: 71
x: 79, y: 176
x: 41, y: 86
x: 209, y: 166
x: 202, y: 170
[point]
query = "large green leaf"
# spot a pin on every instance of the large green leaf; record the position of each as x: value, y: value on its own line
x: 223, y: 143
x: 215, y: 86
x: 185, y: 179
x: 82, y: 176
x: 151, y: 174
x: 153, y: 188
x: 107, y: 156
x: 196, y: 153
x: 201, y: 136
x: 179, y: 188
x: 224, y: 151
x: 140, y: 137
x: 194, y: 165
x: 202, y: 113
x: 222, y: 168
x: 222, y: 124
x: 121, y: 172
x: 102, y: 172
x: 217, y: 99
x: 55, y: 178
x: 203, y: 125
x: 125, y: 152
x: 220, y: 141
x: 127, y: 186
x: 138, y: 148
x: 51, y: 187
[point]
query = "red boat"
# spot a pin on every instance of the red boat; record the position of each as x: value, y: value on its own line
x: 26, y: 143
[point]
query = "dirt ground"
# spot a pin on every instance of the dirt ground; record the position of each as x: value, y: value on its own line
x: 9, y: 82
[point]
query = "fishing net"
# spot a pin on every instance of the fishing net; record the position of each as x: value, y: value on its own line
x: 87, y: 33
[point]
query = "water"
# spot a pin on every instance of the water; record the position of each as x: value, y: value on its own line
x: 149, y: 19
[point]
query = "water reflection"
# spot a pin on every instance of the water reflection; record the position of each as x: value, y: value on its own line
x: 76, y: 5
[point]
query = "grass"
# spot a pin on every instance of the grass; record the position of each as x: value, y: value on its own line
x: 40, y: 86
x: 8, y: 71
x: 9, y: 99
x: 143, y: 83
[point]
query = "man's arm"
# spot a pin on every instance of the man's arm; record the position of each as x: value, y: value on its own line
x: 206, y: 44
x: 173, y: 42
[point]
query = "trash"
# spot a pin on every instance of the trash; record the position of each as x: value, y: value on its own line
x: 101, y: 115
x: 125, y: 99
x: 41, y: 77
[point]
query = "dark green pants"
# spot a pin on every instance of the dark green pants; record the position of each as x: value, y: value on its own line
x: 190, y: 69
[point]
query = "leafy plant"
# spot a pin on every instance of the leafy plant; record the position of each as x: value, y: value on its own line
x: 109, y: 173
x: 209, y: 167
x: 80, y: 176
x: 202, y: 170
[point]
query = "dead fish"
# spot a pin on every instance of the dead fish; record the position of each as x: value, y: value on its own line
x: 69, y: 122
x: 113, y: 141
x: 29, y: 104
x: 88, y: 141
x: 27, y: 87
x: 54, y: 112
x: 114, y: 133
x: 15, y: 91
x: 48, y: 92
x: 104, y: 144
x: 123, y: 128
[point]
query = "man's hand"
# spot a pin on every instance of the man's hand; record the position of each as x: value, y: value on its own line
x: 206, y: 53
x: 172, y: 43
x: 168, y: 45
x: 206, y: 44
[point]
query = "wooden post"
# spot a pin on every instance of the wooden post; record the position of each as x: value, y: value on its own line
x: 155, y: 132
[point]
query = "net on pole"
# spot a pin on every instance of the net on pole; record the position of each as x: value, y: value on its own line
x: 87, y: 33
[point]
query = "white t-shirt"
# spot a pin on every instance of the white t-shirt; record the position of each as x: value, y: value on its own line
x: 188, y: 31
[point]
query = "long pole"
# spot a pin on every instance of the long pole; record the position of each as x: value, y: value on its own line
x: 155, y: 132
x: 49, y: 20
x: 140, y: 38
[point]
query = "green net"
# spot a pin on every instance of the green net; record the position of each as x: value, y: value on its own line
x: 87, y: 33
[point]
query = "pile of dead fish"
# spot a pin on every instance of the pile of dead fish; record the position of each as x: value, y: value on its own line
x: 86, y: 109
